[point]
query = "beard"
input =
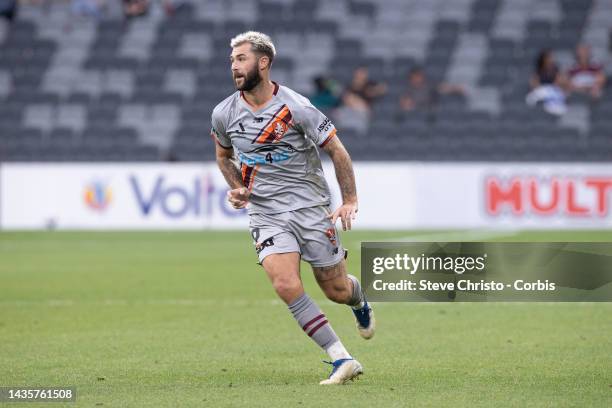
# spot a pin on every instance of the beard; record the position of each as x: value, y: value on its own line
x: 250, y: 80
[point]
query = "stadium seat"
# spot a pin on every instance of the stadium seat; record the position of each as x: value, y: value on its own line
x: 60, y: 85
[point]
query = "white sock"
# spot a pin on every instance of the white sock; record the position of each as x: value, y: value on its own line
x: 337, y: 351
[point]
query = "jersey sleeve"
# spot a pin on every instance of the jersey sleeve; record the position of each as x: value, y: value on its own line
x: 217, y: 131
x: 315, y: 125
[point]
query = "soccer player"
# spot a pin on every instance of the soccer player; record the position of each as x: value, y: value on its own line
x: 274, y: 132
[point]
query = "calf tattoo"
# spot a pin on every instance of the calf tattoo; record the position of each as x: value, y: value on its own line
x: 327, y: 273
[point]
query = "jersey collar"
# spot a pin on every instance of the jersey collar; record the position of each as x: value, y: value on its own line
x: 250, y: 107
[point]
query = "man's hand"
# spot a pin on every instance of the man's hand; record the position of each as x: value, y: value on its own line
x: 238, y: 197
x: 346, y: 212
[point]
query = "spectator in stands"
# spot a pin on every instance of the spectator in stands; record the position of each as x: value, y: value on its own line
x: 171, y: 6
x: 422, y: 95
x: 362, y: 91
x: 89, y: 8
x: 547, y: 85
x: 135, y: 8
x: 586, y: 77
x: 8, y: 9
x: 327, y: 93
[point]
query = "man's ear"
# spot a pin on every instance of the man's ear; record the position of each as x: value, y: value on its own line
x: 264, y: 62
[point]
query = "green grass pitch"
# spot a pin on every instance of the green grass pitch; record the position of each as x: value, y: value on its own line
x: 181, y: 319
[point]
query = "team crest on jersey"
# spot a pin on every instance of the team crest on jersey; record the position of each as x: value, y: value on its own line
x: 331, y: 234
x: 277, y: 126
x: 279, y: 130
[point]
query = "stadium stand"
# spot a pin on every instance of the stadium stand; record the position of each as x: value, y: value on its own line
x: 109, y: 89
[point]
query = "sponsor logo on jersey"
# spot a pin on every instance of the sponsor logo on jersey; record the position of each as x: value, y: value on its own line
x: 274, y: 147
x: 325, y: 125
x: 267, y: 154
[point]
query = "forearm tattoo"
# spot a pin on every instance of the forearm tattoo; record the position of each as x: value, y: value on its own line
x: 345, y: 176
x: 230, y: 172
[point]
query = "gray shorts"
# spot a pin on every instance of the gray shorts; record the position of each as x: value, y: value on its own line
x: 307, y: 231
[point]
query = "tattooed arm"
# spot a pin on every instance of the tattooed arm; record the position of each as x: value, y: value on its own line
x: 346, y: 179
x: 238, y: 195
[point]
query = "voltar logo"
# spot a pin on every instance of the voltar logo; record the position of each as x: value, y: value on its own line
x: 195, y: 199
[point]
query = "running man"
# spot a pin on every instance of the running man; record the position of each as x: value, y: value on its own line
x: 273, y: 132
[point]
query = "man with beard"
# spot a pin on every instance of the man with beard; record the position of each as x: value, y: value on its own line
x: 273, y: 132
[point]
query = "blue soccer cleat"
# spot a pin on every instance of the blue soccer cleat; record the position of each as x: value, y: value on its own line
x: 365, y: 321
x: 343, y: 370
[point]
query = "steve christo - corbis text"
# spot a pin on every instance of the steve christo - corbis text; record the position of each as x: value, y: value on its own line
x: 457, y: 264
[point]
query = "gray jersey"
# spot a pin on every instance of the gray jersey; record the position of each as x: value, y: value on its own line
x: 276, y: 147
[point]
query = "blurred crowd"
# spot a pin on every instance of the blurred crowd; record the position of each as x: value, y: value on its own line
x: 551, y: 87
x: 96, y: 9
x: 352, y: 104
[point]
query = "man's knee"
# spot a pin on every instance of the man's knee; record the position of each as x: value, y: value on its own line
x: 286, y: 288
x: 283, y: 271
